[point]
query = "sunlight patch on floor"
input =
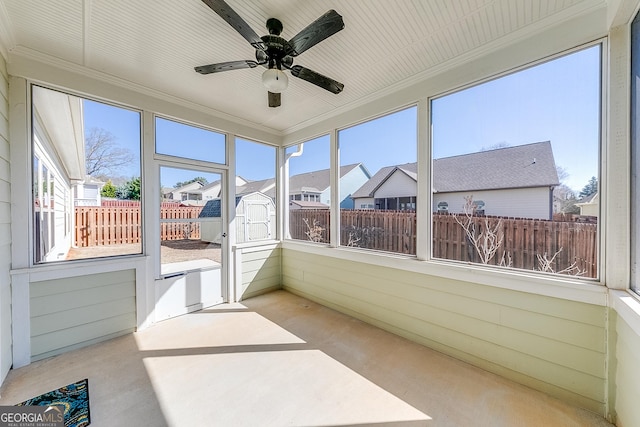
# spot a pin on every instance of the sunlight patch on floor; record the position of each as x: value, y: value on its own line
x: 303, y: 387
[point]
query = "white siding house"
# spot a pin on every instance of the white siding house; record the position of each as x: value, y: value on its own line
x: 590, y: 205
x: 315, y: 186
x: 186, y: 192
x: 512, y: 182
x: 57, y: 169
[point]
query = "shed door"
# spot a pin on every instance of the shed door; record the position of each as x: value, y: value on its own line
x: 257, y: 224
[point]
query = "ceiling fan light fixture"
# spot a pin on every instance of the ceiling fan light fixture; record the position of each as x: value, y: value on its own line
x: 275, y: 80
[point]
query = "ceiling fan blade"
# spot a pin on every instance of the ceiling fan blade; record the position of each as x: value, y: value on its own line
x: 274, y: 99
x: 323, y: 27
x: 225, y: 66
x: 224, y: 10
x: 317, y: 79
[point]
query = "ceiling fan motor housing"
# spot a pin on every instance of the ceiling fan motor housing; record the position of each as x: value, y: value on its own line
x: 276, y: 53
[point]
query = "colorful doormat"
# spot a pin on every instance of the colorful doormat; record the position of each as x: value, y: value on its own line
x: 75, y: 399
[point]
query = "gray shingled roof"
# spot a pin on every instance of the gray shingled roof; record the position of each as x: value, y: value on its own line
x: 310, y: 181
x: 308, y: 205
x: 511, y: 167
x: 257, y: 186
x: 317, y: 179
x: 213, y: 208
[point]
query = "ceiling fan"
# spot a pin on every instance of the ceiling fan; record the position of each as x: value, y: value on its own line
x: 276, y: 53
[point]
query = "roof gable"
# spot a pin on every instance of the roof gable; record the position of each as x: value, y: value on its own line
x: 319, y: 180
x: 523, y: 166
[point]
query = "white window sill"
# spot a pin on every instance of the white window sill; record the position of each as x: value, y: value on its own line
x: 82, y: 267
x: 627, y: 305
x: 256, y: 245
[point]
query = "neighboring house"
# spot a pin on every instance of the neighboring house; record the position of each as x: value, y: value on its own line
x: 87, y: 192
x: 300, y: 204
x: 186, y: 192
x: 265, y: 186
x: 513, y: 181
x: 590, y: 205
x: 391, y: 188
x: 314, y: 186
x: 213, y: 190
x: 197, y: 194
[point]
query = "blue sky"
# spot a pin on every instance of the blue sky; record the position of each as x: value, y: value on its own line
x: 557, y: 101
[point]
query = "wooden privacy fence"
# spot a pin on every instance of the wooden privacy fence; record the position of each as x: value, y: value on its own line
x: 117, y: 203
x: 525, y: 243
x: 392, y: 231
x: 98, y: 226
x: 523, y: 240
x: 177, y: 228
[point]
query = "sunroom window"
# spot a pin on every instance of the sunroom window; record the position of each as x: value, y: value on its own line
x: 86, y: 178
x: 309, y: 186
x: 378, y: 168
x: 255, y: 181
x: 515, y: 167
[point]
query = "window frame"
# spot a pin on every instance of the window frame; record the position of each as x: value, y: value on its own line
x: 288, y: 197
x: 335, y: 219
x: 566, y: 287
x: 186, y: 160
x: 68, y: 195
x: 602, y: 143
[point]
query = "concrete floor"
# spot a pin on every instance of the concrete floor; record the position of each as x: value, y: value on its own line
x: 281, y: 360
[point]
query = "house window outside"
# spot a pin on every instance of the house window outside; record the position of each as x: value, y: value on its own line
x: 380, y: 158
x: 529, y: 139
x: 396, y: 203
x: 93, y: 146
x: 443, y: 207
x: 308, y: 167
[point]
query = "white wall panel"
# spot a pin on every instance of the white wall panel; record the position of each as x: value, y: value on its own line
x: 5, y: 222
x: 551, y: 344
x: 72, y: 312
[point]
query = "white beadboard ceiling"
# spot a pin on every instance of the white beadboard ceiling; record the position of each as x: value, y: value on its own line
x: 157, y: 43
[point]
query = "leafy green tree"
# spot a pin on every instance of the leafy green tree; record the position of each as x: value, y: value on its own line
x: 130, y: 190
x: 200, y: 179
x: 109, y: 190
x: 590, y: 188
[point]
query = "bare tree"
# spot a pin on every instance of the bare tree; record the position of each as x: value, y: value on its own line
x: 546, y: 264
x: 496, y: 146
x: 485, y: 240
x: 314, y: 232
x: 353, y: 240
x: 103, y: 156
